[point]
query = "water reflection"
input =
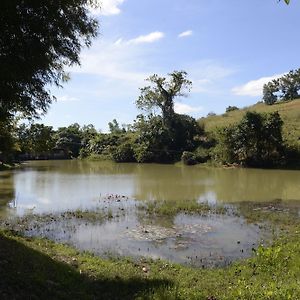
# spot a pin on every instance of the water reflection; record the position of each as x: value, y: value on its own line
x: 7, y: 190
x: 48, y: 186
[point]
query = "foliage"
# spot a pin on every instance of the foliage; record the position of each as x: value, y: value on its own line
x: 188, y: 158
x: 69, y: 139
x: 153, y: 140
x: 123, y: 153
x: 163, y: 138
x: 35, y: 139
x: 231, y: 108
x: 38, y: 39
x: 7, y: 141
x: 285, y: 88
x: 162, y: 92
x: 289, y: 113
x: 255, y: 141
x: 268, y: 93
x: 115, y: 128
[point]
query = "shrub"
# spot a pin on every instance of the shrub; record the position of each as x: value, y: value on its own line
x: 142, y: 154
x: 231, y: 108
x: 123, y: 153
x: 188, y: 158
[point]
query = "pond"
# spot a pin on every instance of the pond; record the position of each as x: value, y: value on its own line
x: 148, y: 210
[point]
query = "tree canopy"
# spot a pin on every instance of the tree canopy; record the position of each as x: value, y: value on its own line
x: 286, y: 87
x: 162, y: 92
x: 38, y: 39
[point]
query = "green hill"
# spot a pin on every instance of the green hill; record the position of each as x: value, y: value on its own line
x: 289, y: 112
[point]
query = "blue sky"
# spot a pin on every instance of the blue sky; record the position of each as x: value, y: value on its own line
x: 229, y: 49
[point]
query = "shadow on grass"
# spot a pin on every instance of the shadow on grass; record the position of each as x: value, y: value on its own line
x: 29, y: 274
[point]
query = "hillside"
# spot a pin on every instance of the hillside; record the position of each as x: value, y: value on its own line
x: 289, y: 112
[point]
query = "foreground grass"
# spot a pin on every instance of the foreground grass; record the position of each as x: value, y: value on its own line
x: 41, y: 269
x: 289, y: 112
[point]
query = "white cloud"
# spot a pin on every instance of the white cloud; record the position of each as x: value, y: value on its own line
x: 182, y: 108
x: 185, y: 34
x: 208, y: 76
x: 107, y: 7
x: 149, y: 38
x: 114, y: 61
x: 253, y: 88
x: 67, y: 98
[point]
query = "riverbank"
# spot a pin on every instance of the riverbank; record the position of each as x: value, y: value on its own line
x: 40, y: 269
x: 5, y: 167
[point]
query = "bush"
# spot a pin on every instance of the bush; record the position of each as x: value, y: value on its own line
x: 142, y: 154
x: 188, y: 158
x: 202, y: 155
x: 231, y: 108
x: 123, y: 153
x: 255, y: 141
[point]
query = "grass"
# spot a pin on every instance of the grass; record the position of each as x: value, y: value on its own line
x: 41, y: 269
x: 289, y: 112
x: 32, y: 221
x: 172, y: 208
x: 277, y: 214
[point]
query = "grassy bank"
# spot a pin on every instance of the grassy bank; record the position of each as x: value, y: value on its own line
x: 41, y: 269
x: 289, y: 112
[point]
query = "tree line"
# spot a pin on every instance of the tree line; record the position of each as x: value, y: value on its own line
x: 161, y: 135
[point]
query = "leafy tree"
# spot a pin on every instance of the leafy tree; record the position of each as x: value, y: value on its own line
x: 36, y: 139
x: 123, y: 153
x: 88, y: 132
x: 163, y: 138
x: 162, y: 92
x: 268, y: 93
x: 7, y: 141
x: 255, y: 141
x: 287, y: 86
x: 38, y: 39
x: 153, y: 140
x: 69, y: 139
x: 115, y: 128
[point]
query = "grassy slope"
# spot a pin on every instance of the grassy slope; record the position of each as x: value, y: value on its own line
x: 40, y: 269
x: 289, y: 112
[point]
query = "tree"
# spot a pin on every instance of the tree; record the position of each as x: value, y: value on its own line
x: 162, y: 92
x: 287, y: 87
x: 7, y: 141
x: 268, y: 94
x: 231, y: 108
x: 38, y: 39
x: 289, y: 84
x: 255, y: 141
x: 69, y: 139
x: 115, y: 128
x: 36, y: 139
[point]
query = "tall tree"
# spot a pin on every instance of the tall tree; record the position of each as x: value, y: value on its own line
x: 38, y: 39
x: 162, y: 92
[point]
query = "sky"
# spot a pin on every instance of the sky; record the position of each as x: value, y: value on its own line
x: 228, y: 48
